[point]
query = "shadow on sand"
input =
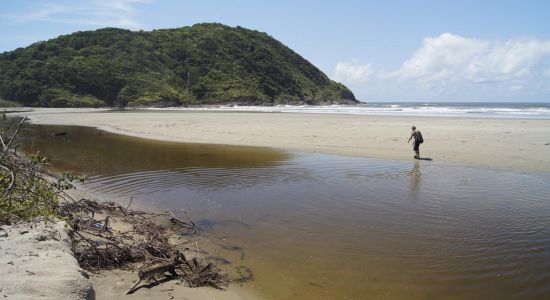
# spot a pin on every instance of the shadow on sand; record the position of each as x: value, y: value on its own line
x: 425, y: 158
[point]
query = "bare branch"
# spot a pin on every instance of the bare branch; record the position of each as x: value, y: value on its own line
x: 6, y: 147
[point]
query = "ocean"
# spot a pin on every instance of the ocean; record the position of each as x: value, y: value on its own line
x: 421, y: 109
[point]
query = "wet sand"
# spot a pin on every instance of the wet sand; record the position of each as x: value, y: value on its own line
x: 518, y: 144
x: 113, y: 285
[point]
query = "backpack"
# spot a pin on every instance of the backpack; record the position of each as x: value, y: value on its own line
x: 419, y: 137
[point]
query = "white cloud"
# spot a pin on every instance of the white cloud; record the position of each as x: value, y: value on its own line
x: 453, y: 67
x: 449, y: 59
x: 117, y: 13
x: 352, y: 72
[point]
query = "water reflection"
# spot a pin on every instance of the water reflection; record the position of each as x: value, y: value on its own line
x: 91, y: 151
x: 416, y: 179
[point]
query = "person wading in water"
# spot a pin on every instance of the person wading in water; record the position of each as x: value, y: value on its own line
x: 417, y: 141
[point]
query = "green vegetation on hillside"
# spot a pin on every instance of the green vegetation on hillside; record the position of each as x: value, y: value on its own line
x: 6, y: 103
x: 201, y: 64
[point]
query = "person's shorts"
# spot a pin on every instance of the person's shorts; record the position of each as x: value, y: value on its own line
x: 416, y: 145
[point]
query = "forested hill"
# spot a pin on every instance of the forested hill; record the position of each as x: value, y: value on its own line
x: 201, y: 64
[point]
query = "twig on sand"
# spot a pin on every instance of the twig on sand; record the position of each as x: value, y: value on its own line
x: 198, y: 252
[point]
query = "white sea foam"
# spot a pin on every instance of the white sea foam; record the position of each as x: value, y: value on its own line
x: 504, y: 110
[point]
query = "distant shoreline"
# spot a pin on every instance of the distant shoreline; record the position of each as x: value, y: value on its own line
x: 491, y: 110
x: 516, y: 144
x: 508, y: 110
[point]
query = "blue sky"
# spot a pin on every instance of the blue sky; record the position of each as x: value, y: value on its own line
x: 382, y: 50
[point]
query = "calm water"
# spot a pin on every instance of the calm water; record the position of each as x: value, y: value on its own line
x: 329, y: 227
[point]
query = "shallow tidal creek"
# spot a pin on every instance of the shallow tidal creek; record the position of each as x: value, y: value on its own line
x: 314, y: 226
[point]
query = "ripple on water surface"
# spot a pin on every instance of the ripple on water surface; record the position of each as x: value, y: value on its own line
x: 328, y: 227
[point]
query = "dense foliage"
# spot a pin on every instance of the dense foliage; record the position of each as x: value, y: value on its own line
x: 201, y: 64
x: 25, y: 192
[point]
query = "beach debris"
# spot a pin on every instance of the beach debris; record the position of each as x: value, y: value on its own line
x: 41, y: 238
x: 103, y: 224
x: 159, y: 269
x: 244, y: 274
x: 108, y: 236
x: 3, y: 232
x: 104, y: 235
x: 312, y: 283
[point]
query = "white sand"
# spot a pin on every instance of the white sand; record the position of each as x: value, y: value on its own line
x: 518, y: 144
x: 36, y: 262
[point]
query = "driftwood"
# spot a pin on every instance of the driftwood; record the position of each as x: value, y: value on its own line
x: 109, y: 236
x: 161, y: 268
x: 192, y: 272
x: 98, y: 243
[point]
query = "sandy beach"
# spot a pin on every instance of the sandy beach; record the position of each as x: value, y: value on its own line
x: 486, y: 143
x: 517, y: 144
x: 38, y: 263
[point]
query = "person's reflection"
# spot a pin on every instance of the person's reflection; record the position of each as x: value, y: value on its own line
x: 416, y: 178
